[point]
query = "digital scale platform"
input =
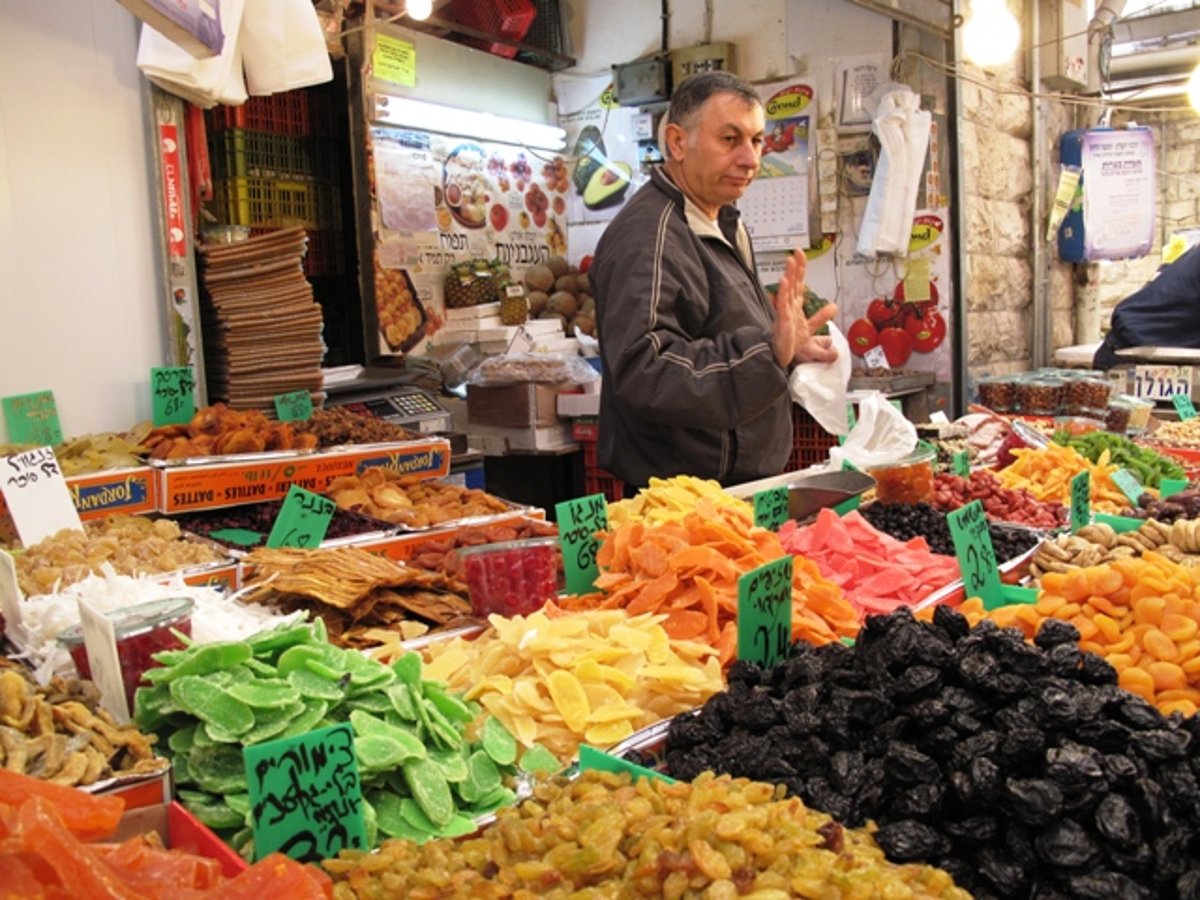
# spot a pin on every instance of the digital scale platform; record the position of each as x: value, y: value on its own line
x: 394, y: 400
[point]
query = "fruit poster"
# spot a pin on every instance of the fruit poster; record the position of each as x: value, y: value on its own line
x: 442, y: 200
x: 602, y: 143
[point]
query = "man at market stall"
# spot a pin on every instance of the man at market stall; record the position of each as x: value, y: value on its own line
x: 1165, y: 312
x: 696, y: 353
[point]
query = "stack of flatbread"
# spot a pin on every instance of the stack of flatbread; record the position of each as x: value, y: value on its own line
x: 262, y: 327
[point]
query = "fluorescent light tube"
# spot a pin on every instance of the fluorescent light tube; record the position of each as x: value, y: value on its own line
x: 484, y: 126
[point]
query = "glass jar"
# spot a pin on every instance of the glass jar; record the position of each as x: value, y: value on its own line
x: 512, y: 578
x: 141, y: 631
x: 905, y: 480
x: 1038, y: 396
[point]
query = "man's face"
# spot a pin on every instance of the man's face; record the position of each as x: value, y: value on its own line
x: 719, y: 154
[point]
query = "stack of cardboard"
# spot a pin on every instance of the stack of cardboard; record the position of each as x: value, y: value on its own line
x: 262, y: 327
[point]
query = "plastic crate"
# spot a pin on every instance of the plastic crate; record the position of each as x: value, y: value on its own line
x: 597, y: 480
x: 277, y: 203
x: 810, y: 442
x: 509, y: 19
x: 242, y: 153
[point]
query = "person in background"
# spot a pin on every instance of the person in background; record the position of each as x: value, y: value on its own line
x: 696, y: 354
x: 1165, y: 312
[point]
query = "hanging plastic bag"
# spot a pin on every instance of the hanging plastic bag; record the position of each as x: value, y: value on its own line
x: 880, y: 435
x: 204, y: 82
x: 283, y: 47
x: 821, y: 387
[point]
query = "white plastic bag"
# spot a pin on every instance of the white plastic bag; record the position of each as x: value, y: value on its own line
x: 283, y: 47
x: 821, y: 387
x: 880, y: 435
x: 204, y: 82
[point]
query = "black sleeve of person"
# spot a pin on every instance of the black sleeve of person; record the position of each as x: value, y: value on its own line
x: 1163, y: 313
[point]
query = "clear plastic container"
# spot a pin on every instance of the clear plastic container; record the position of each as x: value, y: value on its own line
x: 1039, y: 396
x: 512, y: 578
x: 1139, y: 413
x: 999, y: 393
x: 141, y: 630
x: 905, y: 480
x: 1086, y: 396
x: 1074, y: 425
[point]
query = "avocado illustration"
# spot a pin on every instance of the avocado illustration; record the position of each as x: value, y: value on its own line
x: 590, y: 153
x: 607, y: 185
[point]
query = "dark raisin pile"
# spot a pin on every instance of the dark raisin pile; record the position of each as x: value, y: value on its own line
x: 906, y: 521
x: 259, y: 517
x: 1022, y: 769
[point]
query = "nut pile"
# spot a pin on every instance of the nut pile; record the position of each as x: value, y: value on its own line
x: 1099, y: 543
x: 1179, y: 434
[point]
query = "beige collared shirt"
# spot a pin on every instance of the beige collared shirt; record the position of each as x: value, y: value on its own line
x: 702, y: 225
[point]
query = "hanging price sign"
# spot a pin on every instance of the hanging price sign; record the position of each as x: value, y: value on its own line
x: 302, y: 521
x: 976, y: 555
x: 962, y: 463
x: 578, y: 522
x: 172, y: 394
x: 771, y: 508
x: 764, y: 625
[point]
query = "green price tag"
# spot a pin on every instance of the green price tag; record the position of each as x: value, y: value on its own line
x: 172, y: 393
x: 1119, y: 524
x: 962, y: 463
x: 1015, y: 595
x: 578, y: 522
x: 771, y: 508
x: 32, y: 419
x: 302, y: 521
x: 305, y: 796
x: 1081, y: 501
x: 851, y: 421
x: 976, y: 556
x: 764, y: 623
x: 1183, y: 406
x: 243, y: 537
x: 591, y: 759
x: 294, y: 407
x: 1128, y: 483
x: 1170, y: 486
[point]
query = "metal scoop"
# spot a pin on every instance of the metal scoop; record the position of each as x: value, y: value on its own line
x: 809, y: 492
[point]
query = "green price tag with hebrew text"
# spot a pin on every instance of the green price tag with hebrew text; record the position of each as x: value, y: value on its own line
x: 302, y: 521
x: 1183, y: 406
x: 764, y: 623
x: 32, y: 419
x: 294, y: 407
x: 1081, y: 501
x: 172, y: 394
x: 578, y: 522
x: 771, y: 508
x: 976, y: 555
x: 1128, y: 483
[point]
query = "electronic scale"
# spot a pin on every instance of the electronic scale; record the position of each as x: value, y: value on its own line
x: 393, y: 399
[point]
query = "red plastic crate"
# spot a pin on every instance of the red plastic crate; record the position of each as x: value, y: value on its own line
x: 810, y: 442
x: 509, y: 19
x: 596, y: 480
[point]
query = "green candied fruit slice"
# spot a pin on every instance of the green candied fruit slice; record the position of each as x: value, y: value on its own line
x: 210, y: 703
x: 183, y: 740
x: 323, y: 669
x: 402, y: 702
x: 309, y: 684
x: 372, y: 700
x: 366, y: 672
x: 264, y: 694
x: 367, y: 725
x: 412, y: 813
x: 293, y: 658
x: 494, y: 800
x: 217, y: 815
x: 313, y: 713
x: 190, y: 796
x: 260, y: 668
x: 239, y: 803
x: 498, y: 743
x: 459, y: 826
x: 270, y: 722
x: 201, y: 738
x: 205, y: 659
x: 430, y: 790
x: 181, y: 772
x: 539, y: 759
x: 152, y: 706
x: 408, y: 668
x: 219, y: 735
x: 453, y: 764
x: 482, y: 773
x: 391, y: 822
x: 450, y: 706
x: 219, y: 769
x: 280, y: 638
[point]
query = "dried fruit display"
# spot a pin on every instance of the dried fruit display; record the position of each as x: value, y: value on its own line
x: 1184, y: 505
x: 558, y: 680
x: 93, y: 452
x: 670, y: 499
x: 1000, y: 504
x: 1022, y: 769
x: 411, y: 503
x: 689, y: 570
x: 58, y: 732
x: 132, y: 545
x: 255, y: 521
x: 219, y: 430
x: 906, y: 522
x: 337, y: 425
x: 1099, y: 543
x: 1148, y: 466
x: 1047, y: 475
x: 437, y: 554
x: 351, y: 590
x: 718, y: 837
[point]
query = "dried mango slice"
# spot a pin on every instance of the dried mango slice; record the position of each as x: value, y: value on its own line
x: 569, y: 698
x: 604, y: 733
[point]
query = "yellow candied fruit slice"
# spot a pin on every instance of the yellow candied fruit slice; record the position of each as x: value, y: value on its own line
x: 569, y: 699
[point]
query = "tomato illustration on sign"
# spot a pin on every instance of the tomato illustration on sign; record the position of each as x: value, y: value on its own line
x: 897, y: 345
x: 883, y: 312
x: 862, y: 336
x: 927, y: 332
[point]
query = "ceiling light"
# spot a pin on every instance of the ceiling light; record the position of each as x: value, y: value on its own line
x: 991, y: 34
x: 484, y: 126
x: 418, y: 9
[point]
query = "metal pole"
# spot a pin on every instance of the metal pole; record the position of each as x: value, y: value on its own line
x: 960, y: 394
x: 1042, y: 324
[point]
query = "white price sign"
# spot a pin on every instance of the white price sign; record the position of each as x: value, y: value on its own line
x: 1162, y: 382
x: 876, y: 358
x: 37, y: 495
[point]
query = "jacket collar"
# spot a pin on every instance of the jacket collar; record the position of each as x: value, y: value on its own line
x: 728, y: 228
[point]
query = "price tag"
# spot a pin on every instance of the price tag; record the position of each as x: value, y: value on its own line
x: 1183, y: 406
x: 937, y: 417
x: 962, y: 463
x: 100, y: 642
x: 32, y: 418
x: 771, y: 508
x: 591, y: 759
x: 1014, y: 595
x: 1119, y: 524
x: 305, y: 795
x: 521, y: 342
x: 1081, y: 501
x: 578, y: 522
x: 876, y: 358
x: 294, y: 407
x: 243, y: 537
x: 1162, y: 382
x: 302, y: 521
x: 10, y: 593
x: 172, y: 394
x: 37, y: 495
x: 764, y: 623
x: 1128, y: 483
x: 1168, y: 487
x: 976, y: 556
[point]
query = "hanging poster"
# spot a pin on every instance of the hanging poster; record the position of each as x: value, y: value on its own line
x: 775, y: 207
x: 1118, y: 193
x: 603, y: 145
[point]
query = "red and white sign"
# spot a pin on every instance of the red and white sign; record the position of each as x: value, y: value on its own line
x: 172, y: 169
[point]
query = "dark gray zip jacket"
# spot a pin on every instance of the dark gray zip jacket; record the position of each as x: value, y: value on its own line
x: 691, y: 385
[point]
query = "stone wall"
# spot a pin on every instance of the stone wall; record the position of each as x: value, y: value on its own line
x: 1178, y: 204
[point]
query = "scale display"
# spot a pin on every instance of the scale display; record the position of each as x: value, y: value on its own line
x: 408, y: 406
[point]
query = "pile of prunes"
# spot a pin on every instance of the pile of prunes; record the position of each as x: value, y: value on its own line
x: 1022, y: 769
x: 905, y: 521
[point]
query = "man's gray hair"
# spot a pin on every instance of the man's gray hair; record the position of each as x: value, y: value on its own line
x: 693, y: 92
